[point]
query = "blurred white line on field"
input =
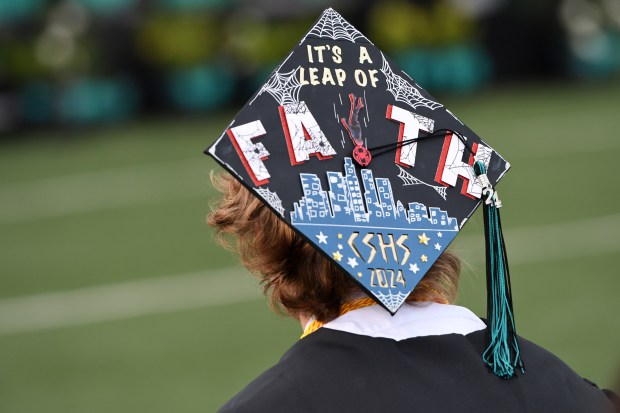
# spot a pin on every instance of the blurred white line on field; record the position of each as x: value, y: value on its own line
x: 126, y: 300
x: 101, y: 190
x: 552, y: 242
x: 526, y: 245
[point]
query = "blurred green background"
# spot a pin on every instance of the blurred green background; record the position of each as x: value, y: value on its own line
x: 91, y: 62
x: 113, y: 295
x: 115, y: 298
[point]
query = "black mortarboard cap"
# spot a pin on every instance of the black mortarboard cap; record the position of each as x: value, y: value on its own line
x: 370, y: 169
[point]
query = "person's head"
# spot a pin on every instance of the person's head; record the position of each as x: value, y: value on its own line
x: 297, y: 279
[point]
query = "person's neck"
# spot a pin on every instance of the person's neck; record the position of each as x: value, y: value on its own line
x: 304, y: 320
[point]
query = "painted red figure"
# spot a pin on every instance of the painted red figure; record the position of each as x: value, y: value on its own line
x: 360, y: 154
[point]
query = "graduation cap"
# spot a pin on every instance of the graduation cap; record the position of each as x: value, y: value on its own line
x: 371, y: 170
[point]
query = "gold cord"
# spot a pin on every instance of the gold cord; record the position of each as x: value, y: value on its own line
x: 346, y: 307
x: 445, y: 298
x: 361, y: 303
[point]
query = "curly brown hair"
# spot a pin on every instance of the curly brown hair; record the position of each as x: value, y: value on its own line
x: 296, y: 278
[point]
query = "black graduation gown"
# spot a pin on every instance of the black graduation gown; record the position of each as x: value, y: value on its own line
x: 336, y: 371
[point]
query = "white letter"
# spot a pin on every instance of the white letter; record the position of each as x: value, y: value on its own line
x: 373, y: 77
x: 451, y: 165
x: 363, y: 80
x: 304, y: 137
x: 251, y: 154
x: 314, y: 78
x: 411, y: 124
x: 320, y: 50
x: 302, y: 79
x: 337, y: 54
x: 327, y: 76
x: 364, y: 55
x: 341, y: 75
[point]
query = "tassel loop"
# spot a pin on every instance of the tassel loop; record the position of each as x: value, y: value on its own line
x: 492, y: 198
x: 502, y: 354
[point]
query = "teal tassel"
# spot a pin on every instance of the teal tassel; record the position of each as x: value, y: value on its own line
x: 502, y: 354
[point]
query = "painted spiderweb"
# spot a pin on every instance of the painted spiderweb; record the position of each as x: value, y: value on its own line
x: 391, y: 301
x: 409, y: 180
x: 284, y: 87
x: 403, y: 91
x: 272, y: 199
x: 333, y: 26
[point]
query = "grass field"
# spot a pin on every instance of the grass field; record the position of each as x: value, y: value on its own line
x: 114, y: 298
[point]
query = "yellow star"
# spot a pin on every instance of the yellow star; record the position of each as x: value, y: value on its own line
x: 424, y: 239
x: 359, y: 274
x: 424, y: 258
x: 337, y: 256
x: 339, y: 236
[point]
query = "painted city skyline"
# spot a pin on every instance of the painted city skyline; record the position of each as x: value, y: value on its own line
x: 371, y: 204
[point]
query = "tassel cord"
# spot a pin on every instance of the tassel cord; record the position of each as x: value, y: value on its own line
x: 381, y: 149
x: 517, y: 362
x: 502, y: 354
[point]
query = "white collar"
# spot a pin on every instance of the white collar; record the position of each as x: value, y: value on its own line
x: 417, y: 320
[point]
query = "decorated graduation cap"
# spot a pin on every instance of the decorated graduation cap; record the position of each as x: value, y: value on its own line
x: 371, y: 170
